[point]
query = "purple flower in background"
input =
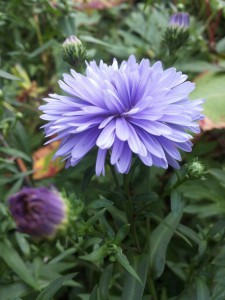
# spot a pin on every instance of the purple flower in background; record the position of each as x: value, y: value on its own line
x: 126, y: 109
x: 39, y: 212
x: 181, y: 20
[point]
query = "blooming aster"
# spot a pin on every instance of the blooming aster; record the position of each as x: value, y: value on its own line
x: 126, y: 109
x: 38, y: 211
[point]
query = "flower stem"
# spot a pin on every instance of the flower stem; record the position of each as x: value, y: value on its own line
x: 152, y: 289
x: 114, y: 176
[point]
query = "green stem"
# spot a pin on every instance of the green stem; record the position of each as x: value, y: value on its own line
x: 152, y: 289
x: 148, y: 232
x: 136, y: 240
x: 148, y: 180
x: 180, y: 182
x: 114, y: 176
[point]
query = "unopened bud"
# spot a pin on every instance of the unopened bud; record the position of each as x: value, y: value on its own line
x: 195, y: 169
x: 181, y: 20
x: 39, y: 212
x: 177, y: 33
x: 74, y: 53
x: 19, y: 115
x: 112, y: 248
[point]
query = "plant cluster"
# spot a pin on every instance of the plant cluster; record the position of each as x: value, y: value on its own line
x: 139, y: 211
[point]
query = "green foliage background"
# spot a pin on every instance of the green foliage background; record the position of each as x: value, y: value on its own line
x: 152, y: 227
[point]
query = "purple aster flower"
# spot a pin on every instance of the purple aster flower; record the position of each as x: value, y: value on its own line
x: 181, y: 20
x: 39, y: 212
x: 121, y: 110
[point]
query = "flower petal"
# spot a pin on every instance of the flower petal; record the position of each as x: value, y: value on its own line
x: 122, y: 129
x: 100, y: 163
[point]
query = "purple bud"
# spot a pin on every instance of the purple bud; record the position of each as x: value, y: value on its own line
x: 39, y: 212
x: 181, y: 20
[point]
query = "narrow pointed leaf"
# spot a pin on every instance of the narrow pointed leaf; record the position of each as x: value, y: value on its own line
x: 15, y: 262
x: 104, y: 283
x: 132, y: 289
x: 121, y: 234
x: 202, y: 290
x: 159, y: 241
x: 54, y: 286
x: 122, y: 259
x: 96, y: 255
x: 94, y: 293
x: 15, y: 152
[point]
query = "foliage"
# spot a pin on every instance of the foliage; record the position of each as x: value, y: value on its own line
x: 152, y: 234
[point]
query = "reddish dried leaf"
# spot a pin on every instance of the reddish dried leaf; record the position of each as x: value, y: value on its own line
x: 43, y: 165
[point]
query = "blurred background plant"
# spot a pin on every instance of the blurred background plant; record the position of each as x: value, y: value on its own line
x: 31, y: 65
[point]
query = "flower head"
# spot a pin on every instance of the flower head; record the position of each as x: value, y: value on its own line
x: 121, y: 110
x: 39, y: 212
x: 181, y: 20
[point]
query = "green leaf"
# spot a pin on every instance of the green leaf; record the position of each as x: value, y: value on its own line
x: 210, y: 86
x: 54, y: 286
x: 218, y: 174
x: 7, y: 75
x: 202, y: 290
x: 122, y: 259
x: 197, y: 66
x: 217, y: 228
x: 14, y: 188
x: 121, y: 234
x: 94, y: 293
x: 95, y: 217
x: 220, y: 46
x: 88, y: 174
x: 97, y: 254
x: 132, y: 289
x: 188, y: 232
x: 14, y: 290
x: 14, y: 177
x: 176, y: 203
x: 95, y: 41
x: 99, y: 203
x: 41, y: 49
x: 159, y: 241
x: 63, y: 255
x: 23, y: 243
x: 68, y: 24
x: 146, y: 197
x: 117, y: 214
x: 104, y: 283
x: 15, y: 262
x: 16, y: 153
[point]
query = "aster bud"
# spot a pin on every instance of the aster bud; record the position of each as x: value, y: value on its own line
x: 195, y: 170
x: 39, y: 212
x: 74, y: 53
x: 177, y: 32
x: 180, y: 20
